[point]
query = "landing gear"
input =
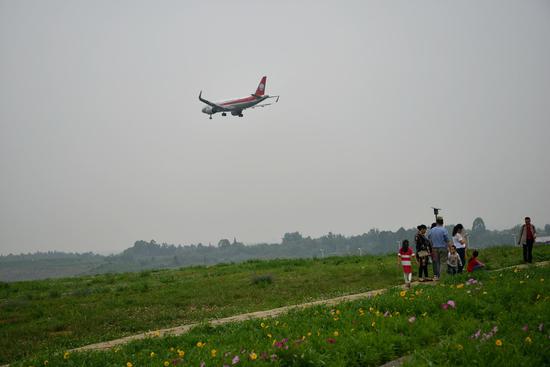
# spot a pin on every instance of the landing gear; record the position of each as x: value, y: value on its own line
x: 210, y: 117
x: 224, y: 114
x: 240, y: 115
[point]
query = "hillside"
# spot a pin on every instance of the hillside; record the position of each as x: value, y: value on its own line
x: 71, y: 312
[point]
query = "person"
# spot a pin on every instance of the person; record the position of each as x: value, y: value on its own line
x: 474, y: 263
x: 527, y: 237
x: 453, y: 261
x: 441, y: 244
x: 404, y: 257
x: 459, y: 241
x: 423, y: 251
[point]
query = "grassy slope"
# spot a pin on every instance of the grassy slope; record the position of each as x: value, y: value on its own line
x: 60, y: 314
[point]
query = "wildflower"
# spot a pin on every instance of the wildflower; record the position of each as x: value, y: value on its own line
x: 46, y: 363
x: 181, y: 353
x: 541, y: 327
x: 331, y: 340
x: 200, y: 344
x: 403, y: 293
x: 235, y: 360
x: 336, y: 318
x: 336, y: 333
x: 274, y: 357
x: 253, y: 356
x: 444, y: 306
x: 66, y: 355
x: 459, y: 347
x: 458, y: 286
x: 451, y: 303
x: 166, y: 364
x: 425, y: 314
x: 152, y: 355
x: 203, y: 364
x: 213, y: 353
x: 412, y: 319
x: 263, y: 325
x: 269, y: 336
x: 538, y: 296
x: 528, y: 340
x: 338, y: 312
x: 128, y: 364
x: 542, y: 279
x: 476, y: 334
x: 373, y: 323
x: 372, y: 309
x: 525, y: 328
x: 309, y: 333
x: 498, y: 343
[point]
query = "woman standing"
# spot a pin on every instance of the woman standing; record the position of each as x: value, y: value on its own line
x: 423, y: 251
x: 459, y: 240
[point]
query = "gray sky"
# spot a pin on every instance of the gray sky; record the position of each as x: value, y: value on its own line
x: 387, y: 108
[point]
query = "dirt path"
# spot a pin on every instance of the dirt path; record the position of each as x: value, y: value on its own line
x: 178, y: 330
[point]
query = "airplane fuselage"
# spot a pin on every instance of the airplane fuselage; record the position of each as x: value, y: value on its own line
x: 235, y: 106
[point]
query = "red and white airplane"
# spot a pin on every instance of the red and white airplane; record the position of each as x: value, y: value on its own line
x: 236, y: 106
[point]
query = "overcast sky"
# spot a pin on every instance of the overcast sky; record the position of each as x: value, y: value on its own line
x: 387, y: 108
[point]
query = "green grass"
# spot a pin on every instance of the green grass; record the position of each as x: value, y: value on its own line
x: 41, y: 319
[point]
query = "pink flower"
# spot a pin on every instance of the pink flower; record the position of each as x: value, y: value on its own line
x: 476, y: 334
x: 331, y: 340
x: 444, y: 306
x: 412, y: 319
x: 451, y: 303
x: 386, y: 314
x: 235, y: 360
x: 203, y: 364
x: 525, y: 328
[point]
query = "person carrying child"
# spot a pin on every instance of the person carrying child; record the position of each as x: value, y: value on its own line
x: 423, y: 251
x: 404, y: 257
x: 453, y: 261
x: 474, y: 264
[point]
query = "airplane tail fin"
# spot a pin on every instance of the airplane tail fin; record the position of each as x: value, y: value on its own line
x: 261, y: 87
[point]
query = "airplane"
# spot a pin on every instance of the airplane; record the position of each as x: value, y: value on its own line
x: 236, y: 106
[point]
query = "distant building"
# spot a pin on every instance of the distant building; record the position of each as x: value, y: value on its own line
x: 543, y: 239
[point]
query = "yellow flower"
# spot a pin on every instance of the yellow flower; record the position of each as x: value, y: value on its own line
x: 498, y: 343
x: 181, y: 353
x: 528, y: 340
x: 46, y: 363
x: 172, y: 349
x: 66, y: 355
x: 253, y: 356
x: 336, y: 333
x: 538, y: 296
x: 213, y: 353
x: 262, y: 325
x: 373, y: 323
x: 338, y: 312
x: 542, y: 279
x: 269, y: 336
x: 200, y: 344
x: 459, y: 347
x: 461, y: 285
x: 166, y: 363
x: 336, y: 318
x: 403, y: 293
x: 309, y: 333
x: 371, y: 309
x: 129, y: 364
x: 152, y: 354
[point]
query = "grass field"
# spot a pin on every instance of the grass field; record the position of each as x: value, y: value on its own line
x: 42, y: 319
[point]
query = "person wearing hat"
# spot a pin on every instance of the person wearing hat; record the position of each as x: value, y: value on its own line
x: 441, y: 244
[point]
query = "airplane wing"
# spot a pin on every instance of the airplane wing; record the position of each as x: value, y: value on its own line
x: 261, y: 105
x: 212, y: 104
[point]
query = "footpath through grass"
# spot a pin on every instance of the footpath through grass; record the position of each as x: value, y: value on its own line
x: 42, y: 319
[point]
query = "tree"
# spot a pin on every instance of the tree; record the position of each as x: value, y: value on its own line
x: 547, y: 229
x: 478, y: 226
x: 224, y: 243
x: 292, y: 237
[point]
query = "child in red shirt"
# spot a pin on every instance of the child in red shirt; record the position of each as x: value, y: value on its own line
x: 474, y: 263
x: 405, y: 256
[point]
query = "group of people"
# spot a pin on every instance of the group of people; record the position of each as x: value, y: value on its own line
x: 438, y: 248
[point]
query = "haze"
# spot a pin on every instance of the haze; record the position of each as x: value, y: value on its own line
x: 387, y: 108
